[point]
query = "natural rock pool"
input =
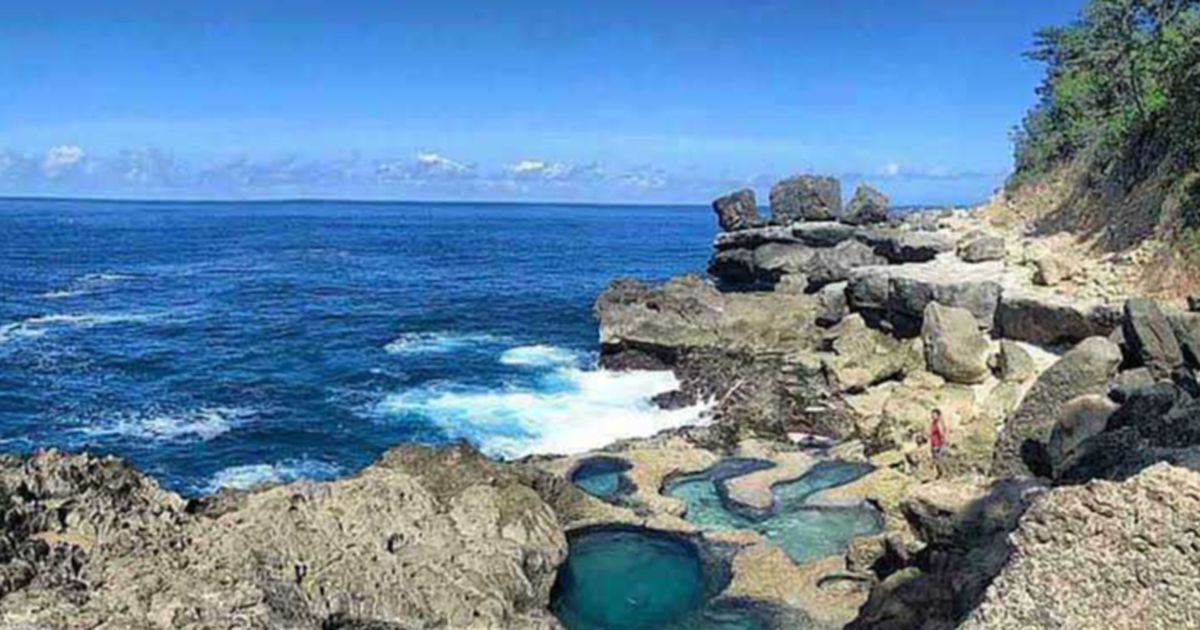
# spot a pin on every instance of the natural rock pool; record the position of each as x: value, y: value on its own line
x: 632, y: 578
x: 803, y: 531
x: 603, y: 478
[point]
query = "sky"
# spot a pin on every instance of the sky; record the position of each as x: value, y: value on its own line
x: 611, y: 101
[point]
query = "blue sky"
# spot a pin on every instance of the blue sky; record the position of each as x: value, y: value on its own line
x: 610, y: 101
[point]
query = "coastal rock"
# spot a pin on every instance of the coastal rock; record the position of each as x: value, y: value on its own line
x: 831, y: 304
x: 954, y: 347
x: 898, y: 294
x: 750, y: 238
x: 424, y: 537
x: 1081, y: 418
x: 1129, y: 381
x: 979, y: 247
x: 1129, y: 540
x: 867, y: 206
x: 734, y: 266
x: 835, y: 264
x: 1150, y: 337
x: 805, y: 198
x: 737, y: 210
x: 1053, y: 319
x: 1013, y: 363
x: 900, y: 246
x: 1085, y: 369
x: 1193, y: 303
x: 823, y: 233
x: 863, y: 356
x: 1186, y: 327
x: 1051, y: 270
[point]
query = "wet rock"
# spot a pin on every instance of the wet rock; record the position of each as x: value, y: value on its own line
x: 736, y: 211
x: 981, y: 247
x: 1052, y: 319
x: 1130, y: 541
x: 1085, y: 369
x: 954, y: 347
x: 1150, y: 337
x: 1013, y: 363
x: 867, y: 206
x: 805, y: 198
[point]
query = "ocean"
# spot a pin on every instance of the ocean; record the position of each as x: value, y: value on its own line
x: 229, y: 344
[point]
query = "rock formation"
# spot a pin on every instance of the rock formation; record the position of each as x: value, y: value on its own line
x: 805, y: 198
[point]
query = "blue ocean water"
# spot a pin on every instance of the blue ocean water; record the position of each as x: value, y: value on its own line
x: 233, y: 343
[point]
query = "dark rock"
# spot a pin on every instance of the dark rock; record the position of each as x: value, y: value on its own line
x: 1086, y: 369
x: 1145, y: 405
x: 773, y: 260
x: 1193, y: 302
x: 867, y: 206
x: 1052, y: 320
x: 835, y: 264
x: 898, y: 295
x: 736, y: 211
x: 823, y: 233
x: 1080, y: 419
x: 751, y: 238
x: 805, y: 198
x: 980, y: 247
x: 1186, y: 327
x: 734, y: 266
x: 1150, y: 337
x: 1128, y: 381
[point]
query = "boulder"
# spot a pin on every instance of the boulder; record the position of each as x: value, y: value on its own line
x: 954, y: 347
x: 1051, y: 270
x: 736, y: 211
x: 835, y: 264
x: 831, y: 304
x: 1186, y: 327
x: 1080, y: 419
x: 421, y: 538
x: 750, y: 238
x: 862, y: 356
x: 1129, y: 381
x: 734, y: 267
x: 959, y: 515
x: 1150, y: 338
x: 1085, y: 369
x: 900, y: 293
x: 867, y: 206
x: 823, y: 233
x: 773, y: 260
x: 1053, y: 319
x: 1103, y: 555
x: 980, y: 247
x: 1013, y: 363
x: 902, y: 246
x: 805, y: 198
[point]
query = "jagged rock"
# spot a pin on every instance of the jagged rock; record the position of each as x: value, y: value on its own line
x: 751, y: 238
x: 959, y: 515
x: 1051, y: 270
x: 1081, y: 418
x: 1013, y: 363
x: 863, y: 356
x: 831, y: 304
x: 1103, y: 555
x: 835, y: 264
x: 1052, y: 319
x: 867, y: 206
x: 900, y: 293
x: 774, y: 260
x: 954, y: 347
x: 736, y: 211
x: 1186, y: 327
x: 823, y: 233
x: 423, y: 537
x: 1085, y: 369
x: 1129, y: 381
x: 805, y: 198
x: 979, y: 247
x: 900, y: 246
x: 734, y: 266
x: 1150, y: 337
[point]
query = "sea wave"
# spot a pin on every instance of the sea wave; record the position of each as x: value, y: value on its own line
x: 39, y: 325
x: 438, y: 342
x: 286, y: 471
x: 574, y: 411
x: 540, y: 356
x: 204, y: 423
x: 86, y: 284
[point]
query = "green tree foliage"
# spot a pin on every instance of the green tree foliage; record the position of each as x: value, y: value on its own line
x: 1124, y: 76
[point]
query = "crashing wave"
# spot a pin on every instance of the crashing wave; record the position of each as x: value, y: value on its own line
x: 438, y: 342
x: 202, y: 424
x: 286, y: 471
x: 540, y: 356
x: 37, y: 326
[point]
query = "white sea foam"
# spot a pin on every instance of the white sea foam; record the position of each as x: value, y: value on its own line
x: 438, y: 342
x: 252, y: 475
x: 579, y: 410
x: 85, y: 284
x: 540, y: 356
x: 33, y: 327
x: 204, y: 423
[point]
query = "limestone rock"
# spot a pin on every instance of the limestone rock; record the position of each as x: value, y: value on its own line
x: 1052, y: 319
x: 1103, y: 555
x: 1150, y: 337
x: 1186, y: 327
x: 900, y: 246
x: 954, y: 347
x: 835, y: 264
x: 979, y: 247
x: 867, y: 206
x: 805, y: 198
x: 1013, y: 363
x: 1080, y: 419
x: 863, y: 356
x: 1051, y: 270
x: 750, y: 238
x: 823, y: 233
x: 423, y: 538
x: 1129, y: 381
x: 736, y: 211
x: 900, y: 293
x: 1085, y: 369
x: 831, y: 304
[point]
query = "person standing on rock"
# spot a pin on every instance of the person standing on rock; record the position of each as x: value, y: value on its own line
x: 937, y: 440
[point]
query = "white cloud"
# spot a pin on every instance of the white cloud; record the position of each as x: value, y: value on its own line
x: 891, y: 169
x: 440, y: 162
x: 61, y: 158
